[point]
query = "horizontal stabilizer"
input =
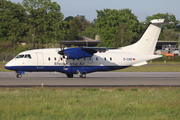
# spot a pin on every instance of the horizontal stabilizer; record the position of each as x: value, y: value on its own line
x: 139, y: 64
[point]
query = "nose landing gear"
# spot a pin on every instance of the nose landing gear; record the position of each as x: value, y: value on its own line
x: 19, y: 74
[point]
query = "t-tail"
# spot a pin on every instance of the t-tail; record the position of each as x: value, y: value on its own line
x: 147, y: 42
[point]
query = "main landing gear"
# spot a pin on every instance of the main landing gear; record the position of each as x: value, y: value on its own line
x: 81, y: 75
x: 70, y: 75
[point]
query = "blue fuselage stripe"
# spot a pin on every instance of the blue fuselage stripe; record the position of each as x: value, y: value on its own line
x: 66, y: 69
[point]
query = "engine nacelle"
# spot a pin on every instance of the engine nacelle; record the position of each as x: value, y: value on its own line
x: 77, y: 53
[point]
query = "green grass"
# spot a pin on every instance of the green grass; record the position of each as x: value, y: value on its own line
x: 3, y: 62
x: 90, y: 103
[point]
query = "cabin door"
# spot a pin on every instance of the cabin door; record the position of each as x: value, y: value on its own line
x: 40, y: 60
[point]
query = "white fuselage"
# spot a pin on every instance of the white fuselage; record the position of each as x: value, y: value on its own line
x: 50, y: 60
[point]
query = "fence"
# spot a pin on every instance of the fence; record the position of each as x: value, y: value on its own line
x: 6, y: 56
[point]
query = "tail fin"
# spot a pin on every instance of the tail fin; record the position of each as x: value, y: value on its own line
x: 148, y: 40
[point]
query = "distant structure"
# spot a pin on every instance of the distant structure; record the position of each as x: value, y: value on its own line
x: 168, y: 48
x: 86, y: 42
x: 97, y: 38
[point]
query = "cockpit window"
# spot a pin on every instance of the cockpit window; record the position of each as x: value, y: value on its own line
x: 28, y: 56
x: 24, y: 56
x: 19, y: 56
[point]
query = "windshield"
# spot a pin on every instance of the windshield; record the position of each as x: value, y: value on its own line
x: 24, y: 56
x: 19, y: 56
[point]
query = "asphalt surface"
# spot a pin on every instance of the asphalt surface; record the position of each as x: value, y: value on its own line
x: 98, y: 79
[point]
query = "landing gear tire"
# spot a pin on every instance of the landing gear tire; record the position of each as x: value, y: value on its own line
x: 19, y: 76
x: 69, y: 75
x: 83, y: 75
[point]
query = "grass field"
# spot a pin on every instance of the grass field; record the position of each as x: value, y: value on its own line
x: 151, y: 67
x: 90, y: 103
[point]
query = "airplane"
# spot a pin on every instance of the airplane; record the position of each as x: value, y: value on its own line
x: 84, y: 60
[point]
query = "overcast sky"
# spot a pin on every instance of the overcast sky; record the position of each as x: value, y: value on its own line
x: 141, y: 8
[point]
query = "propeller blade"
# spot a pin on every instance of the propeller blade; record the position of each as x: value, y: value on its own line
x: 61, y: 52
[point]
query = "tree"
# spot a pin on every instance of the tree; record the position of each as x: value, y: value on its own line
x: 45, y: 20
x: 122, y: 37
x: 89, y: 32
x: 108, y: 22
x: 68, y: 18
x: 170, y: 35
x: 13, y: 23
x: 73, y: 31
x: 77, y: 26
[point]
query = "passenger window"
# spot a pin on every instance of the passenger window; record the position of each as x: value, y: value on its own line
x: 97, y: 58
x: 55, y: 58
x: 105, y: 59
x: 28, y: 56
x: 19, y: 56
x: 110, y: 59
x: 49, y: 58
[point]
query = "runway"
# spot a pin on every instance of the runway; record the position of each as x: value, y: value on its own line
x: 98, y: 79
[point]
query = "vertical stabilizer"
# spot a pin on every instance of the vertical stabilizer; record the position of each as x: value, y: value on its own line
x: 147, y: 42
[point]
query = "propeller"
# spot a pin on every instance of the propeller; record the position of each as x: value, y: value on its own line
x: 61, y: 52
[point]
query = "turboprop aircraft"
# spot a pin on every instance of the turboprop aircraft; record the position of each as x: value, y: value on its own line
x: 83, y: 60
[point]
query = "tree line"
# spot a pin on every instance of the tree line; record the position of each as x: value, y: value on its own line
x: 41, y: 22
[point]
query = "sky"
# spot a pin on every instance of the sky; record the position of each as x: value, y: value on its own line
x: 141, y: 8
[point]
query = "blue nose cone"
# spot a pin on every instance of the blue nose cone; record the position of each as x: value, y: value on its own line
x: 6, y: 67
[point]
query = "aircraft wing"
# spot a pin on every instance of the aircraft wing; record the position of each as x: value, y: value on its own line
x: 95, y: 49
x: 82, y: 52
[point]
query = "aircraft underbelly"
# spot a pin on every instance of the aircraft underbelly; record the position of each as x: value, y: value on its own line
x: 79, y: 68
